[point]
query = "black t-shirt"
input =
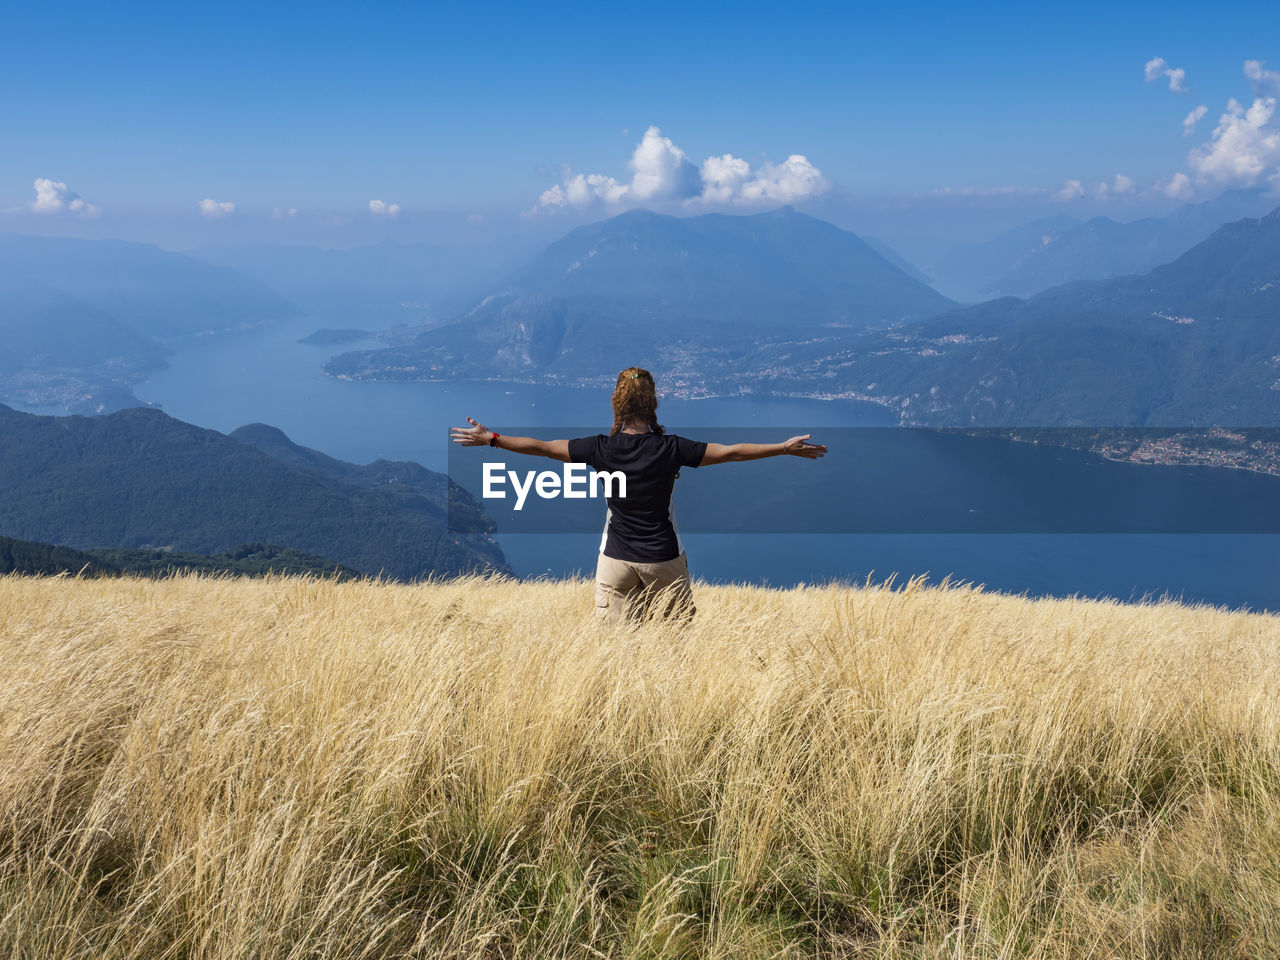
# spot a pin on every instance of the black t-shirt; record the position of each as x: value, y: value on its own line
x: 640, y: 527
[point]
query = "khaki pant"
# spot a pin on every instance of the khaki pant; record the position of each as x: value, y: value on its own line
x: 639, y: 591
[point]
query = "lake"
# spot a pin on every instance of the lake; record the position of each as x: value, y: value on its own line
x: 267, y: 376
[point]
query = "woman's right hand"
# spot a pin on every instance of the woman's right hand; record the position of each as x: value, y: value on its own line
x: 801, y: 447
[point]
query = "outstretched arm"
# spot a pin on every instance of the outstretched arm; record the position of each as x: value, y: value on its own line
x: 734, y: 452
x: 478, y: 435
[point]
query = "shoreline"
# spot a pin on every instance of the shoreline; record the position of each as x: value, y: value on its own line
x: 888, y: 403
x: 1268, y: 469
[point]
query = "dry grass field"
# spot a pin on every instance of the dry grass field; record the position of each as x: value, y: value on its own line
x: 296, y: 768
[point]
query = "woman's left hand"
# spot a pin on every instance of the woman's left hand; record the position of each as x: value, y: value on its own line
x: 476, y: 435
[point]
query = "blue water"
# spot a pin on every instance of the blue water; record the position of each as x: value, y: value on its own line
x: 267, y: 376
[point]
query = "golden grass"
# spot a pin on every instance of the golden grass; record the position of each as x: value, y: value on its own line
x: 289, y: 768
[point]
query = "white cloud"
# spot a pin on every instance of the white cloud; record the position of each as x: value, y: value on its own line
x: 380, y: 209
x: 216, y: 208
x: 722, y: 177
x: 1178, y: 188
x: 280, y: 213
x: 1244, y: 144
x: 553, y: 197
x: 53, y: 196
x: 662, y: 172
x: 794, y: 179
x: 1261, y: 79
x: 729, y: 179
x: 1156, y: 67
x: 582, y: 190
x: 1189, y: 122
x: 1102, y: 191
x: 1071, y: 190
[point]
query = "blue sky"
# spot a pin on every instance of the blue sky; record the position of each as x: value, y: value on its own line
x: 464, y: 118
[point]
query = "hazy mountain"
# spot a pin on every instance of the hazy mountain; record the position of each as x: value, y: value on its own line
x: 152, y: 291
x: 1055, y: 250
x: 776, y: 266
x: 970, y: 268
x: 1193, y: 342
x: 897, y: 259
x: 80, y: 320
x: 377, y: 285
x: 42, y: 329
x: 1102, y: 248
x: 141, y: 479
x: 60, y: 351
x: 653, y: 289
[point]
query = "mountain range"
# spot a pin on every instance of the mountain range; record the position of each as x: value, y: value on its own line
x: 138, y: 478
x: 1195, y: 342
x: 774, y: 303
x: 662, y: 291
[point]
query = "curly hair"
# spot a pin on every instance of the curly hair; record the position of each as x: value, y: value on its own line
x: 635, y: 400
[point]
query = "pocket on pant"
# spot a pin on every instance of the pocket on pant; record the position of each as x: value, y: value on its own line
x: 610, y: 605
x: 606, y: 595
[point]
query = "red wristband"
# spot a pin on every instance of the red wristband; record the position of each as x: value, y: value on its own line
x: 493, y: 441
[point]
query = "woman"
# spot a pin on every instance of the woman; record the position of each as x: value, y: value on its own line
x: 642, y: 569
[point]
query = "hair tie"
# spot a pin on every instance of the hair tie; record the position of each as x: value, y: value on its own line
x: 635, y: 376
